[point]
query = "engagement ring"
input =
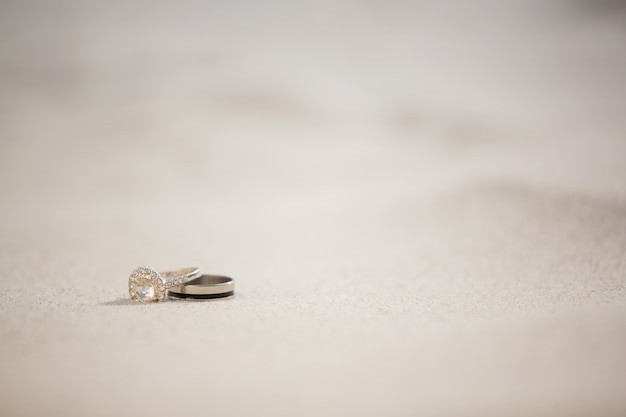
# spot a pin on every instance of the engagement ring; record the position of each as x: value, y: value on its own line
x: 147, y: 285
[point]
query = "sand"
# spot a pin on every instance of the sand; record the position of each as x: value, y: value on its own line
x: 423, y: 206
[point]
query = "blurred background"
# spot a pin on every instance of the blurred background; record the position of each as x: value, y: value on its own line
x: 421, y: 201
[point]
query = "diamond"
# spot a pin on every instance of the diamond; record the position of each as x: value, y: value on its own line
x: 144, y: 284
x: 144, y: 290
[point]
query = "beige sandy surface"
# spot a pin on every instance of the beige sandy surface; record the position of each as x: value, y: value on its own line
x: 423, y: 205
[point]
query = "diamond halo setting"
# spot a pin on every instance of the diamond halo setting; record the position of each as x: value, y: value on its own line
x: 146, y: 285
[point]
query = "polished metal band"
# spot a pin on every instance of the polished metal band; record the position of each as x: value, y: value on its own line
x: 205, y: 287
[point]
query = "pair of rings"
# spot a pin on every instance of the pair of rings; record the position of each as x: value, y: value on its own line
x: 146, y: 285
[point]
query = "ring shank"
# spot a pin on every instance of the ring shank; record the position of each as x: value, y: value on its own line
x: 183, y: 272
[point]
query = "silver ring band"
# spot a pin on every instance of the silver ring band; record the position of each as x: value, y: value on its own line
x: 179, y: 276
x: 147, y: 285
x: 205, y: 287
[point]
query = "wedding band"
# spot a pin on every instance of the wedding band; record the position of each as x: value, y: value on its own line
x: 204, y: 287
x: 147, y: 285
